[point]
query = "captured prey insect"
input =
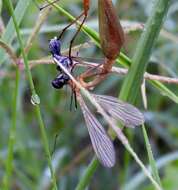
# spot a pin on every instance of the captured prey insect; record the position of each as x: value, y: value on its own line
x: 120, y: 111
x: 55, y: 49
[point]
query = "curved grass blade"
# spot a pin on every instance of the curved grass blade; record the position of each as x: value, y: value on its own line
x: 102, y: 144
x: 9, y: 32
x: 129, y: 115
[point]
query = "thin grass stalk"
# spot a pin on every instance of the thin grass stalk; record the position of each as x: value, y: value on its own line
x: 34, y: 95
x: 88, y: 175
x: 12, y: 135
x: 141, y: 57
x: 132, y: 83
x: 139, y: 177
x: 41, y: 19
x: 150, y: 156
x: 9, y: 32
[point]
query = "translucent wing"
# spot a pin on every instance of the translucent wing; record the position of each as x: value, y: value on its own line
x: 129, y: 115
x: 102, y: 144
x: 89, y: 59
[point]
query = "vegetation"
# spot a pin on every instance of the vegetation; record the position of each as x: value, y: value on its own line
x: 44, y: 144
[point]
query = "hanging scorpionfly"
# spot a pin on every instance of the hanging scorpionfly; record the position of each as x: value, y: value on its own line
x: 118, y: 110
x: 55, y: 49
x: 127, y: 114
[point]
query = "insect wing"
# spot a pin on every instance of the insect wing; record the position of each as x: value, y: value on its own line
x: 91, y: 60
x: 102, y: 144
x: 129, y: 115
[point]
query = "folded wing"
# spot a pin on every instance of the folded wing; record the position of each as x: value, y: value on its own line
x: 102, y: 144
x: 126, y: 113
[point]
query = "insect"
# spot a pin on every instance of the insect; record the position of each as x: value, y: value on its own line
x: 111, y: 35
x: 55, y: 49
x: 123, y: 112
x: 62, y: 78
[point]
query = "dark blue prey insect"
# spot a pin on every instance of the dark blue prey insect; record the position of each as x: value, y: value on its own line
x: 55, y: 49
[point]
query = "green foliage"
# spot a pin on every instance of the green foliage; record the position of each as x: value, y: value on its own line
x: 27, y: 155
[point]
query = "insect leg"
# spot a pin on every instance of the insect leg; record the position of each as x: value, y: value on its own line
x: 73, y: 22
x: 75, y: 35
x: 47, y: 5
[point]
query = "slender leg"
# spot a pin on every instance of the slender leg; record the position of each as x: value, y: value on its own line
x: 43, y: 7
x: 73, y: 22
x: 55, y: 142
x: 89, y: 72
x: 71, y: 100
x: 85, y: 13
x: 73, y: 95
x: 75, y: 99
x: 71, y: 42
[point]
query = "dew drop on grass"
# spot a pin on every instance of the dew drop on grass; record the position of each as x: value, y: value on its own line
x: 35, y: 99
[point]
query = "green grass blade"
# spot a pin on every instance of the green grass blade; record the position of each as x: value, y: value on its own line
x: 139, y: 177
x: 35, y: 97
x: 150, y: 156
x: 164, y: 90
x: 84, y: 181
x: 12, y: 135
x: 9, y: 33
x: 141, y: 57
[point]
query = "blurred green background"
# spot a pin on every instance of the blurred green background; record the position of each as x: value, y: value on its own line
x: 71, y: 150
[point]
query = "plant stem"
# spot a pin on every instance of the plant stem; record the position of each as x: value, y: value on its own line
x: 12, y: 135
x: 150, y: 156
x: 142, y: 54
x: 88, y: 174
x: 37, y: 108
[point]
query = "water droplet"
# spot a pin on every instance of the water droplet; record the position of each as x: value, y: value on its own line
x: 35, y: 99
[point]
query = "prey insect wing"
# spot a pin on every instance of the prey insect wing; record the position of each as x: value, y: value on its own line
x: 129, y: 115
x: 102, y: 144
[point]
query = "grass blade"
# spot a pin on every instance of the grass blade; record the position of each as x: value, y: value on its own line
x: 12, y: 135
x: 150, y: 156
x: 139, y: 177
x: 9, y: 33
x: 35, y: 97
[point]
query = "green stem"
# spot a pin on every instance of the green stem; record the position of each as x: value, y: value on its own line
x: 141, y: 57
x: 150, y: 156
x: 12, y: 135
x: 34, y: 95
x: 142, y: 54
x: 84, y: 181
